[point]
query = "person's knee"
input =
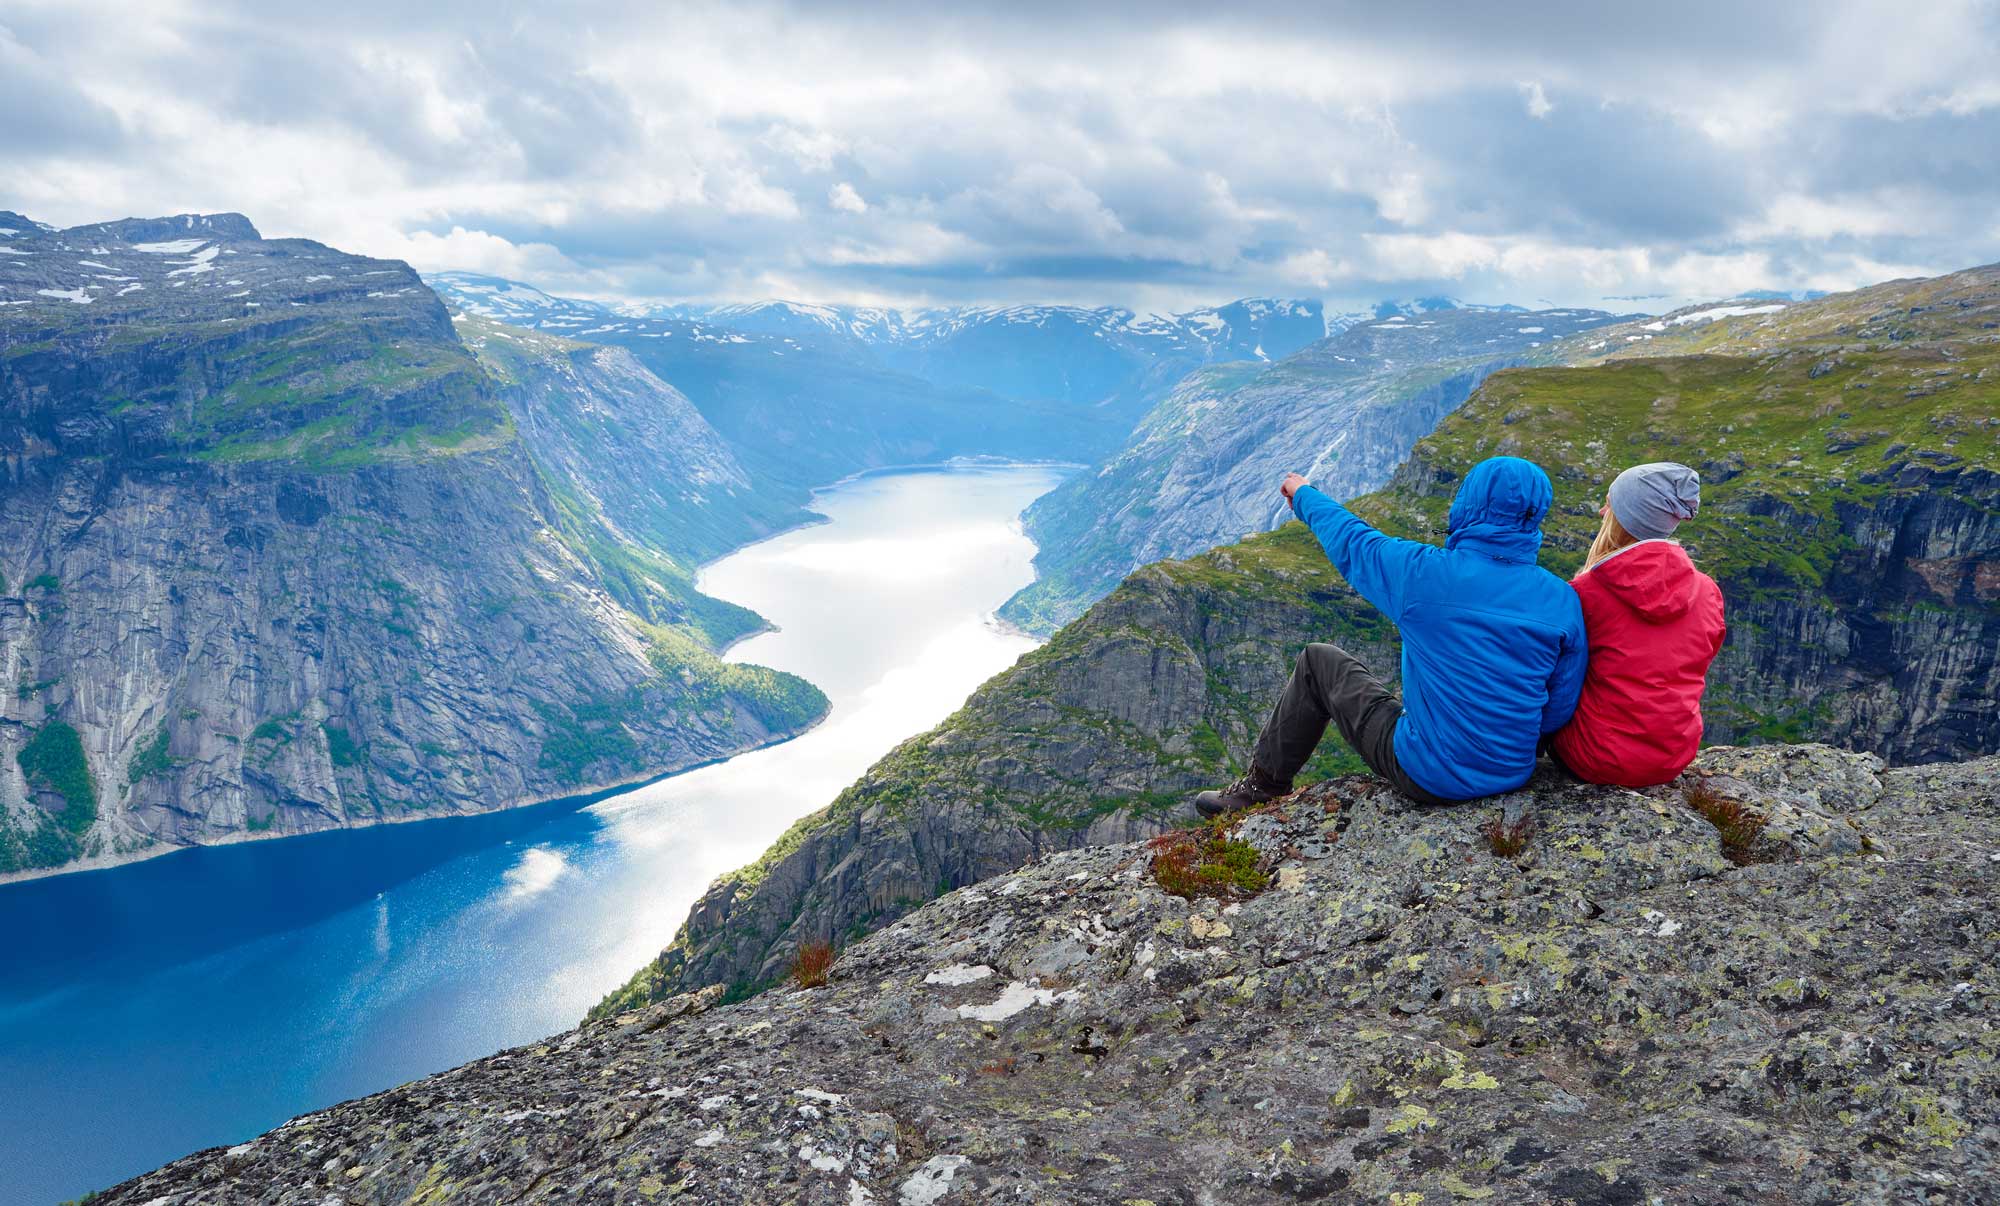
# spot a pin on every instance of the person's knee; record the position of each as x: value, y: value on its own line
x: 1323, y: 661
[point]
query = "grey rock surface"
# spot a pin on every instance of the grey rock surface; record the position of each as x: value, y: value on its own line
x: 1618, y: 1014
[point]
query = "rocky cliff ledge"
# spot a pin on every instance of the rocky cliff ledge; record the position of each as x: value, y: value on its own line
x: 1629, y: 1009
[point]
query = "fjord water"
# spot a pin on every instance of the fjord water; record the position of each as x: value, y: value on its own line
x: 197, y: 999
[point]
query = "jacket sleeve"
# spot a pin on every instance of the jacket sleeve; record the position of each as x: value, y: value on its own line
x: 1374, y: 564
x: 1566, y: 680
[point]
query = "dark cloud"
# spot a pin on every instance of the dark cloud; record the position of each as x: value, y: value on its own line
x: 46, y: 113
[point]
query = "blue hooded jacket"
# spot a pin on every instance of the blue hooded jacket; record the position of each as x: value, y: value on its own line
x: 1493, y: 645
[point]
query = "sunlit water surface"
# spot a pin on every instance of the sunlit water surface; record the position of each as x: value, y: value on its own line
x: 198, y: 999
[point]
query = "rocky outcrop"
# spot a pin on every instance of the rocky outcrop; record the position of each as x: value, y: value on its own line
x: 1201, y: 467
x: 1620, y: 1013
x: 276, y: 557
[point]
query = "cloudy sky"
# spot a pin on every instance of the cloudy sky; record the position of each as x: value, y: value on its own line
x: 1153, y: 156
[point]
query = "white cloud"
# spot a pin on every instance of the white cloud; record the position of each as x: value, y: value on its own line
x: 1535, y: 100
x: 843, y: 197
x: 470, y: 250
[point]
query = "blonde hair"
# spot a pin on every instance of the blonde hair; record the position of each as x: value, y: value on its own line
x: 1611, y: 536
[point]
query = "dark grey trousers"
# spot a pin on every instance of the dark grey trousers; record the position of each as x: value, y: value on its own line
x: 1329, y: 683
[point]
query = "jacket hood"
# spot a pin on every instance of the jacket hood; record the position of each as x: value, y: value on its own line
x: 1655, y: 578
x: 1499, y: 508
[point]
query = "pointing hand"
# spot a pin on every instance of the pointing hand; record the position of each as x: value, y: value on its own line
x: 1291, y: 485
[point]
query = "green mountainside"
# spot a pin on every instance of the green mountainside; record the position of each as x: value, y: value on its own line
x: 1851, y: 514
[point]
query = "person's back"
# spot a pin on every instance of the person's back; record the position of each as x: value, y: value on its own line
x: 1492, y: 643
x: 1655, y: 624
x: 1493, y: 650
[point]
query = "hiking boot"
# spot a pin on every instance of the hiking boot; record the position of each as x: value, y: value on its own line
x: 1254, y: 788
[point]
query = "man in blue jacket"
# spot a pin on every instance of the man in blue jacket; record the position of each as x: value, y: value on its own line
x: 1493, y: 649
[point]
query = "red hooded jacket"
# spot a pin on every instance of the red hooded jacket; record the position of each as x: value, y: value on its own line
x: 1655, y: 623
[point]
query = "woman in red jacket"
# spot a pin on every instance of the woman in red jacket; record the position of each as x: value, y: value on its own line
x: 1655, y: 624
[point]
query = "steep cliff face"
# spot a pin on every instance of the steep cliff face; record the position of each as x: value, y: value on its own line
x: 625, y: 447
x: 1198, y: 469
x: 274, y: 557
x: 1850, y: 516
x: 1621, y: 1012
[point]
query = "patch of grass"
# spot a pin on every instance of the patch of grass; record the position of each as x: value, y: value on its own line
x: 781, y: 702
x: 29, y: 690
x: 152, y: 758
x: 43, y: 582
x: 588, y: 733
x: 53, y: 760
x: 1737, y: 826
x: 811, y: 965
x: 1508, y: 840
x: 277, y: 728
x: 340, y: 745
x: 1206, y: 861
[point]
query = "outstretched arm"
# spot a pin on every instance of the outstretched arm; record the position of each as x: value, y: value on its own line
x: 1374, y: 564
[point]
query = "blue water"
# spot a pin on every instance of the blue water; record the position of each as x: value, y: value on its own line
x: 201, y: 998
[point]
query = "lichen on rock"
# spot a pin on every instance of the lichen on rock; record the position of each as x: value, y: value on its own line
x: 1617, y: 1014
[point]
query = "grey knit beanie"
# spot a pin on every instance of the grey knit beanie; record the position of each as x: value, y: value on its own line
x: 1649, y: 501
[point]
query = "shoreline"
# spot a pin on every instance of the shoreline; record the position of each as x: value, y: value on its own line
x: 584, y: 798
x: 568, y: 801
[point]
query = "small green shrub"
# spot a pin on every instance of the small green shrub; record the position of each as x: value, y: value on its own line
x: 1206, y: 861
x: 45, y: 582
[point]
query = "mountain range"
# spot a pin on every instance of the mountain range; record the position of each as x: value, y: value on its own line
x: 809, y: 394
x: 1198, y: 469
